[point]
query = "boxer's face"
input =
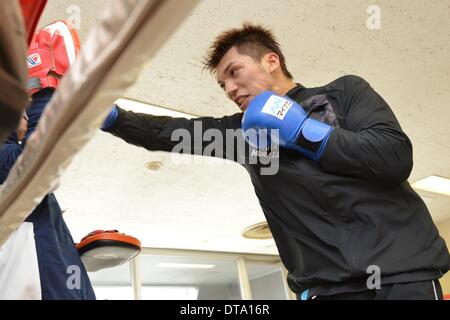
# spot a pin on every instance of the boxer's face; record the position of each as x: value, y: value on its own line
x: 242, y: 78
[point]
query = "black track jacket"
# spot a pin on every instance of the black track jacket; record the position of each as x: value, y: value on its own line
x: 334, y: 220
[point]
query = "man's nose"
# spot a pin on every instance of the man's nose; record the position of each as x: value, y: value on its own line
x: 231, y: 90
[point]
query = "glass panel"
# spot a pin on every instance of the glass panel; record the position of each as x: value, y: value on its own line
x: 114, y: 292
x: 266, y: 281
x: 169, y: 293
x: 112, y: 283
x: 213, y: 278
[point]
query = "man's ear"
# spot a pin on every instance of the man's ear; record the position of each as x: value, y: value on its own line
x: 271, y: 62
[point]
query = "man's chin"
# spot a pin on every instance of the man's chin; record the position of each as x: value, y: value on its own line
x: 244, y: 106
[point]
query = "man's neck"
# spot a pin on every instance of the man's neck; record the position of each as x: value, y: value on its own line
x: 283, y: 87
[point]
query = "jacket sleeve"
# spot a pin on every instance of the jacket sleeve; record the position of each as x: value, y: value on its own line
x: 369, y: 143
x: 199, y: 136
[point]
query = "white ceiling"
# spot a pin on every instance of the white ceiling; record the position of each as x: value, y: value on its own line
x: 206, y: 206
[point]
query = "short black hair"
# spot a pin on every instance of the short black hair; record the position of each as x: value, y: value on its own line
x: 252, y: 40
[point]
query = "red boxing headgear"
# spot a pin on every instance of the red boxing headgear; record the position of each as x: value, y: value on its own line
x: 52, y: 51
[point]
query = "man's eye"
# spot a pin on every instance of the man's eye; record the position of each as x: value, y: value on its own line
x: 234, y: 72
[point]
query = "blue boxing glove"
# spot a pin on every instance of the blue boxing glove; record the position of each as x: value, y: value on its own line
x: 268, y: 111
x: 111, y: 118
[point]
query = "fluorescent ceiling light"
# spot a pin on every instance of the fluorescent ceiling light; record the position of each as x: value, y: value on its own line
x: 142, y: 107
x: 433, y: 184
x: 185, y: 265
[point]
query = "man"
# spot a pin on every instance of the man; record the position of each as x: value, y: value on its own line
x: 40, y: 260
x: 339, y: 206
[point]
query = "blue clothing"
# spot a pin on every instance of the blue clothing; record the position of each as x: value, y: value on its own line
x: 58, y: 259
